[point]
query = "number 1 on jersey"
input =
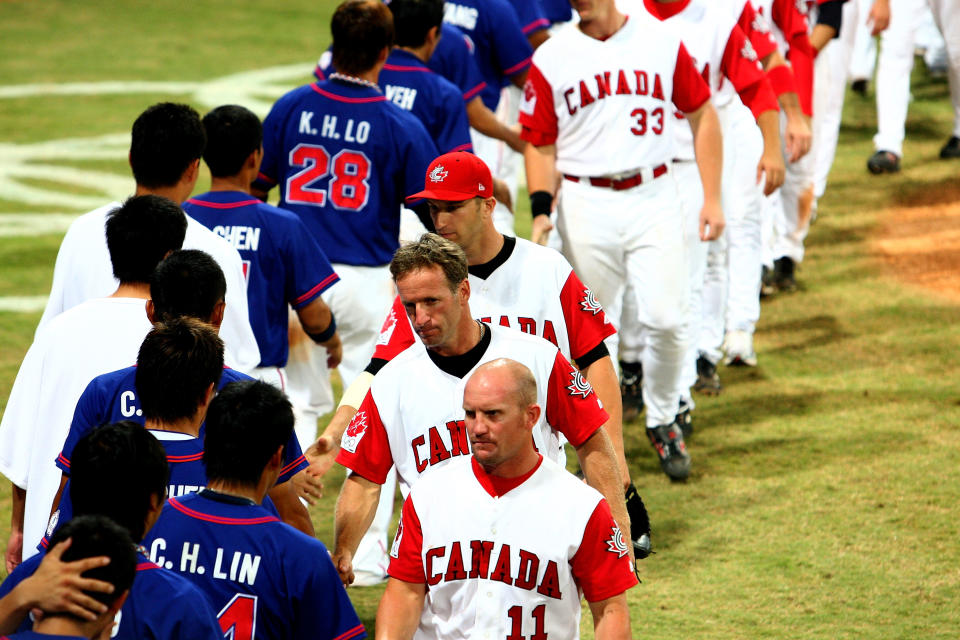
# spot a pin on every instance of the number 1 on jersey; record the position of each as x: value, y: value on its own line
x: 516, y: 623
x: 238, y: 619
x: 348, y: 189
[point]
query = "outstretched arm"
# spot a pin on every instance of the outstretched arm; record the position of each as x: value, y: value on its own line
x: 356, y: 507
x: 598, y: 462
x: 611, y: 618
x: 400, y: 608
x: 541, y: 166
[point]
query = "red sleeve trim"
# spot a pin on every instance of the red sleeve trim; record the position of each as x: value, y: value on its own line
x: 317, y: 289
x: 351, y: 633
x: 690, y: 90
x: 265, y: 178
x: 62, y: 459
x: 293, y: 465
x: 757, y: 29
x: 601, y: 565
x: 520, y: 66
x: 396, y: 333
x: 536, y: 25
x: 759, y: 97
x: 572, y: 406
x: 537, y: 114
x: 406, y: 556
x: 463, y: 147
x: 469, y: 95
x: 370, y: 456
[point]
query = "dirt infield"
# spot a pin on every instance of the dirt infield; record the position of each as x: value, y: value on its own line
x: 921, y: 244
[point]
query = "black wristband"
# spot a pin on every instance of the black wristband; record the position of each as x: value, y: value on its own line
x: 540, y: 202
x: 327, y: 333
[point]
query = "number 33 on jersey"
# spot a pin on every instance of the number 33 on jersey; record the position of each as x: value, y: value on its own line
x: 344, y: 157
x: 607, y: 104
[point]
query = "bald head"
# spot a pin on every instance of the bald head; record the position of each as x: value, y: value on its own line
x: 510, y: 376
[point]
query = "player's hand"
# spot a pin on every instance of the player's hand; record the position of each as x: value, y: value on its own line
x: 771, y: 165
x: 334, y: 351
x: 321, y: 455
x: 343, y: 561
x: 799, y: 138
x: 308, y: 485
x: 711, y: 221
x: 14, y: 550
x: 879, y: 17
x: 540, y: 229
x: 57, y: 586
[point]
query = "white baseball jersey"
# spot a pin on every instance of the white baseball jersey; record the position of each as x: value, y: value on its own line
x: 526, y: 287
x: 608, y: 104
x: 721, y: 52
x: 94, y: 337
x: 412, y: 416
x: 83, y: 271
x: 501, y: 560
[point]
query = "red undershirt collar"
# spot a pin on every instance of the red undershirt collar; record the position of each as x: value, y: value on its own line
x: 497, y: 486
x: 664, y: 10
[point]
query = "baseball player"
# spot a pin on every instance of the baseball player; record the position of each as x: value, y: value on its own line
x: 747, y: 109
x: 502, y: 52
x: 283, y: 263
x: 893, y: 78
x: 609, y: 131
x: 92, y: 538
x: 417, y: 428
x: 549, y: 301
x: 265, y: 579
x: 344, y: 156
x: 161, y: 604
x: 502, y: 557
x: 789, y: 210
x: 453, y: 59
x: 187, y: 283
x: 96, y: 336
x: 167, y: 141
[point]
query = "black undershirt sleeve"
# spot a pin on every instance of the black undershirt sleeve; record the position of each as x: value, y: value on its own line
x: 373, y: 368
x: 831, y: 15
x: 587, y: 359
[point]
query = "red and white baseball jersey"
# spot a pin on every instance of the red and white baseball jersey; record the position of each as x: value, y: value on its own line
x: 412, y: 416
x: 526, y: 287
x: 501, y: 560
x: 722, y: 53
x: 791, y: 29
x: 608, y: 104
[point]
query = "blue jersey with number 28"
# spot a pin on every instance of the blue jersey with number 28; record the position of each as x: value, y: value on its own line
x: 344, y: 158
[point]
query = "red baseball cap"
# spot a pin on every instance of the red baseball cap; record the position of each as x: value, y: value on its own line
x: 456, y: 176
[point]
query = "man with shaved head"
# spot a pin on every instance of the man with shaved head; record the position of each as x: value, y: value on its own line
x: 504, y: 532
x: 413, y: 418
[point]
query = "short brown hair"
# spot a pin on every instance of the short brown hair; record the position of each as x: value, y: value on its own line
x: 361, y: 29
x: 431, y: 250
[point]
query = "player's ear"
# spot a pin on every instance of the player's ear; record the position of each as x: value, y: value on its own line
x: 253, y: 160
x: 151, y: 312
x: 464, y: 289
x: 382, y: 58
x: 276, y: 460
x: 532, y: 415
x: 216, y: 319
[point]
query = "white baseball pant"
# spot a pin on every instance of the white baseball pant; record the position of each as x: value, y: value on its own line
x: 946, y: 14
x: 635, y: 236
x: 893, y: 74
x: 790, y: 222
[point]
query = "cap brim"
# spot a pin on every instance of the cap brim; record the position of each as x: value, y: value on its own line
x: 441, y: 194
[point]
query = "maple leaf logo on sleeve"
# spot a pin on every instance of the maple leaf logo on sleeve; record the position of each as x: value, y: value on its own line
x: 355, y: 432
x: 578, y: 384
x: 616, y: 544
x: 590, y: 304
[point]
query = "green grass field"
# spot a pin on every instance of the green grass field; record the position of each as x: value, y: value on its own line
x: 824, y: 496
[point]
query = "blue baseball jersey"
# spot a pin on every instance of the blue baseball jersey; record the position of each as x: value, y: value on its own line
x: 161, y: 605
x: 112, y: 397
x: 434, y: 100
x: 266, y: 579
x: 282, y: 262
x: 33, y: 635
x: 453, y: 59
x: 557, y: 10
x: 502, y: 49
x: 531, y: 15
x: 344, y: 158
x: 187, y: 475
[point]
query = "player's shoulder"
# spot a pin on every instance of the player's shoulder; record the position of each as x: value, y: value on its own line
x: 406, y: 125
x: 113, y: 380
x: 560, y: 479
x: 442, y: 479
x: 232, y: 375
x: 156, y: 581
x: 86, y: 227
x: 292, y: 98
x: 202, y: 238
x: 413, y: 357
x: 541, y: 256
